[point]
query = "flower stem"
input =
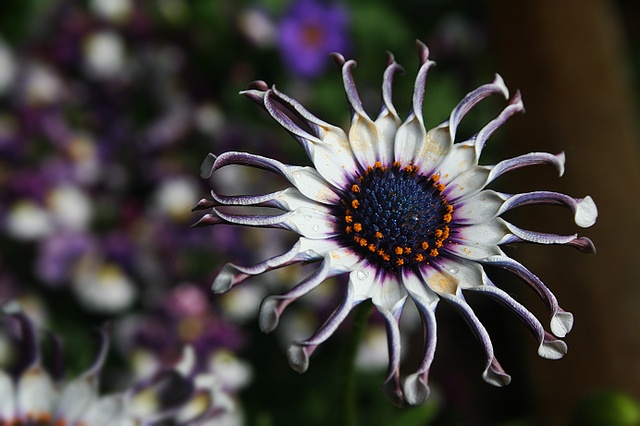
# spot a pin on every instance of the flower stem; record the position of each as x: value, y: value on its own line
x: 348, y: 406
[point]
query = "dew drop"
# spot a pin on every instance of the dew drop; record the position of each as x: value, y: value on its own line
x: 310, y: 252
x: 362, y: 274
x: 316, y: 227
x: 308, y: 216
x: 454, y: 270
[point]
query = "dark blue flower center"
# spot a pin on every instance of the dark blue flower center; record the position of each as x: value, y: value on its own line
x: 395, y: 217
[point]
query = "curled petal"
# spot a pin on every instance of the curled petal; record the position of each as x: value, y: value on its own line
x: 298, y: 353
x: 515, y: 106
x: 388, y: 120
x: 549, y: 347
x: 525, y: 160
x: 306, y: 179
x: 288, y: 199
x: 583, y: 244
x: 415, y: 386
x: 497, y: 86
x: 584, y: 209
x: 335, y: 262
x: 329, y: 149
x: 392, y: 381
x: 561, y: 321
x: 493, y: 373
x: 411, y: 137
x: 304, y: 250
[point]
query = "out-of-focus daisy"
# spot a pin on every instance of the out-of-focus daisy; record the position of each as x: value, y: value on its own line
x: 308, y: 32
x: 30, y: 394
x: 405, y: 213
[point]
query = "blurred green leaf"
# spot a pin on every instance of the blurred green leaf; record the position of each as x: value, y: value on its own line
x: 608, y: 408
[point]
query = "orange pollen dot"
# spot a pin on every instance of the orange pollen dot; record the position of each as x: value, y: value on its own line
x: 400, y: 262
x: 355, y: 204
x: 397, y: 164
x: 378, y: 165
x: 369, y: 169
x: 407, y: 250
x: 363, y: 242
x: 349, y: 229
x: 419, y: 257
x: 378, y: 235
x: 438, y: 243
x: 445, y: 234
x: 398, y: 250
x: 440, y: 187
x: 435, y: 178
x: 449, y: 208
x: 438, y: 233
x: 355, y: 188
x: 371, y: 247
x: 357, y: 238
x: 357, y: 226
x: 386, y: 257
x: 348, y: 219
x: 447, y: 218
x: 434, y: 252
x: 424, y: 245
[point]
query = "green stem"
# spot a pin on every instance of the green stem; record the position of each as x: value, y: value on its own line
x: 348, y: 368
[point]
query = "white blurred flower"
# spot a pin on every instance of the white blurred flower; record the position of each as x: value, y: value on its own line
x: 105, y: 55
x: 372, y: 353
x: 209, y: 119
x: 175, y: 197
x: 27, y: 221
x: 70, y: 206
x: 113, y: 10
x: 42, y: 84
x: 256, y: 25
x: 103, y: 287
x: 234, y: 373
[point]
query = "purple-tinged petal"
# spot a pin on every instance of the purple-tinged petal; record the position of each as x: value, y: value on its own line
x: 497, y: 86
x: 584, y: 209
x: 561, y: 321
x: 411, y: 138
x: 493, y: 373
x: 549, y: 347
x: 306, y: 179
x: 416, y: 388
x: 298, y: 353
x: 388, y: 120
x: 304, y: 250
x: 391, y: 384
x: 335, y: 263
x: 288, y: 199
x: 583, y: 244
x: 329, y: 151
x: 515, y: 106
x: 363, y: 133
x: 525, y: 160
x: 305, y: 221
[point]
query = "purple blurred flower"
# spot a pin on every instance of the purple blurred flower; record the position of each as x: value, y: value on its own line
x: 308, y: 32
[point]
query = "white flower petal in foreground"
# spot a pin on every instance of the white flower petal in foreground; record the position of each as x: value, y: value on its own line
x: 405, y: 212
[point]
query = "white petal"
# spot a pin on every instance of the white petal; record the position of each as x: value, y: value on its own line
x: 467, y: 184
x: 37, y: 395
x: 77, y: 396
x: 437, y: 144
x: 460, y: 158
x: 480, y: 208
x: 7, y: 398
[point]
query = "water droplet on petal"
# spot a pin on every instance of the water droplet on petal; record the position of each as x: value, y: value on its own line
x: 454, y: 270
x: 308, y: 216
x: 316, y: 227
x: 310, y: 252
x: 362, y: 274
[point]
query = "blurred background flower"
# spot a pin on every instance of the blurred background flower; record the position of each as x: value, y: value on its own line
x: 107, y: 108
